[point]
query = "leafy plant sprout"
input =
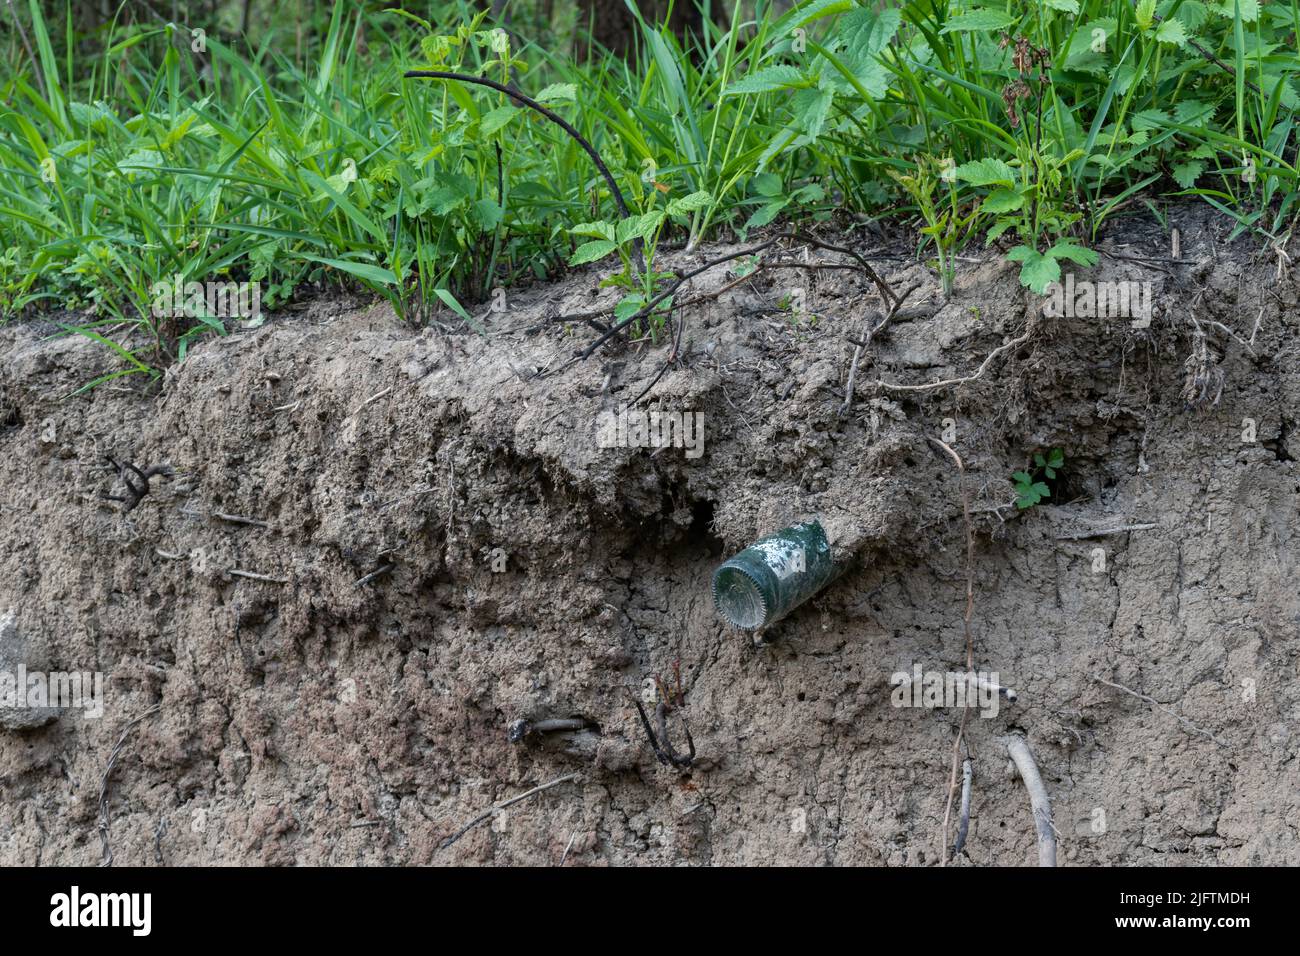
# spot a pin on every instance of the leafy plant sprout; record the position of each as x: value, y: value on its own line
x: 1030, y: 486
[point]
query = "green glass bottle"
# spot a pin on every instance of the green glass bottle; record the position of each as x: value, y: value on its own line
x: 773, y: 576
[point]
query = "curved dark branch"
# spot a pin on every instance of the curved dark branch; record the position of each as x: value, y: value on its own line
x: 525, y: 100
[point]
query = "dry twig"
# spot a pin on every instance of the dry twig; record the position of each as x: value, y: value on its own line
x: 487, y: 814
x: 1038, y: 801
x: 1009, y: 346
x: 104, y: 817
x: 970, y: 641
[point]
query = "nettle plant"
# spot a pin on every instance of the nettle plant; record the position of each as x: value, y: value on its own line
x: 1030, y: 486
x: 948, y: 223
x: 630, y: 234
x: 1027, y: 195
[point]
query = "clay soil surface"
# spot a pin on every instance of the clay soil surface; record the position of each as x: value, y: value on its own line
x: 439, y: 547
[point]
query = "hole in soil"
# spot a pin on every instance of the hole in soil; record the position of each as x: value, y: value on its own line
x: 1278, y: 447
x: 700, y: 533
x: 1069, y: 483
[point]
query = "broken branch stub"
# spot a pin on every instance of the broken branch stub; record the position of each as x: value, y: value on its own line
x: 1038, y: 800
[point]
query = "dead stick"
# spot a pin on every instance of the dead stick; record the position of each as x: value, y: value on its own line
x: 487, y: 814
x: 378, y: 573
x: 1038, y: 801
x: 970, y: 640
x: 1080, y: 535
x: 254, y: 576
x: 967, y: 774
x: 1014, y: 343
x: 104, y: 817
x: 569, y: 847
x: 240, y: 519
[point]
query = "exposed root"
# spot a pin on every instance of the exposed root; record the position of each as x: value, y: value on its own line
x: 104, y: 817
x: 1102, y: 532
x: 138, y: 487
x: 873, y: 327
x: 1038, y: 800
x: 886, y: 294
x: 967, y: 775
x: 1159, y: 706
x: 966, y: 380
x: 970, y: 644
x: 487, y: 814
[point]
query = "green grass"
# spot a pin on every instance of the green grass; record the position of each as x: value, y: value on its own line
x: 291, y: 165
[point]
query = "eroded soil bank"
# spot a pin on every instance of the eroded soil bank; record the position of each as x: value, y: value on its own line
x: 526, y: 573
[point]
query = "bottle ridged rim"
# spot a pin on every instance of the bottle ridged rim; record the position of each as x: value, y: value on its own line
x: 757, y: 593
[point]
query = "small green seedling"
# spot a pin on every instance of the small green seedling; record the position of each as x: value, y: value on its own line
x: 622, y: 237
x: 1030, y: 488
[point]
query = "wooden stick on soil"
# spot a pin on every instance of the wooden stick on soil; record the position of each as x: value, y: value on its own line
x: 967, y: 774
x: 487, y: 814
x: 872, y: 328
x: 1038, y: 801
x: 966, y: 380
x: 104, y: 816
x: 970, y: 646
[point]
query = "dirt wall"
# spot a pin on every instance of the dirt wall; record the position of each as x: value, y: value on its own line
x: 379, y: 547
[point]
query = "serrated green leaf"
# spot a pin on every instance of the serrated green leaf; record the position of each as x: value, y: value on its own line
x: 979, y: 20
x: 1172, y: 32
x: 1002, y: 200
x: 625, y: 229
x: 488, y: 213
x: 802, y: 15
x: 1193, y: 113
x: 866, y: 33
x: 648, y: 223
x: 496, y: 120
x: 986, y: 172
x: 1065, y: 6
x: 1249, y: 10
x: 1193, y: 13
x: 767, y: 184
x: 1037, y: 271
x: 998, y: 229
x: 593, y: 230
x: 1150, y: 119
x: 689, y: 203
x: 766, y: 214
x: 812, y: 107
x: 591, y: 251
x: 766, y: 80
x: 1186, y: 174
x: 629, y: 306
x: 557, y: 92
x: 1065, y: 249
